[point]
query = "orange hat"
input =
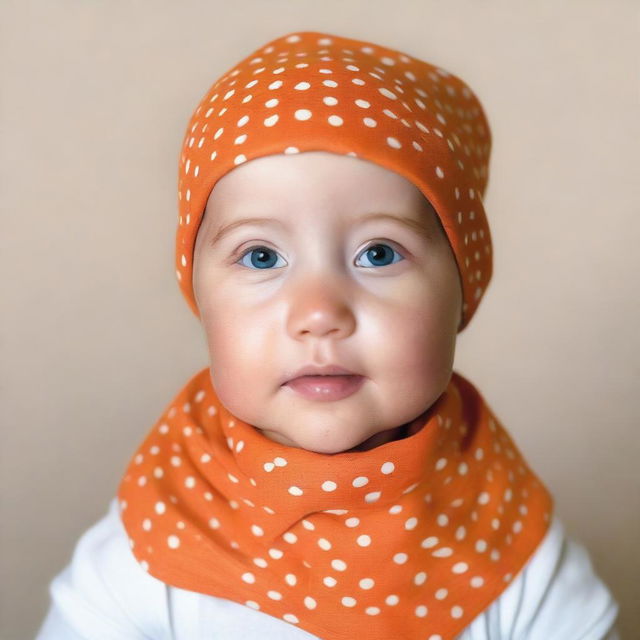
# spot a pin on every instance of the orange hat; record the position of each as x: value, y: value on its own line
x: 310, y: 91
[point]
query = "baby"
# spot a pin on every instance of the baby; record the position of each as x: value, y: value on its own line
x: 329, y: 474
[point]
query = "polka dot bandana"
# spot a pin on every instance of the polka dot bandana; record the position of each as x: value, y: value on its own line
x: 312, y: 91
x: 411, y: 539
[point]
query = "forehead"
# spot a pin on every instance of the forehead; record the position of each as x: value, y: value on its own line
x: 323, y: 182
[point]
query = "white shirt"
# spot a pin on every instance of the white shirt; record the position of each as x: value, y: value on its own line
x: 104, y: 594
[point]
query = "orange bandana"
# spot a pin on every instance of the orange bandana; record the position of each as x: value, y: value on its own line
x: 411, y: 539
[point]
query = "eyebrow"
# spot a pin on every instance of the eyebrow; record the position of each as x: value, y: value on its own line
x: 420, y: 226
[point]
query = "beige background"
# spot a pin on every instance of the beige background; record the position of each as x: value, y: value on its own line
x: 96, y: 338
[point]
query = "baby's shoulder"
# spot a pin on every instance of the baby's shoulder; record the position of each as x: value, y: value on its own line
x: 103, y: 592
x: 556, y: 595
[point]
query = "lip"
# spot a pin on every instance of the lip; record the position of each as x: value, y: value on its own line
x: 316, y: 370
x: 326, y: 388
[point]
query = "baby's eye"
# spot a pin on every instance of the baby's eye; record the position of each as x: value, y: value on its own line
x: 261, y: 259
x: 380, y: 252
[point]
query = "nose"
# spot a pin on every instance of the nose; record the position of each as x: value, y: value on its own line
x: 319, y: 308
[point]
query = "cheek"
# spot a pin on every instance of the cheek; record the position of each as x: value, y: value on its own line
x: 242, y: 354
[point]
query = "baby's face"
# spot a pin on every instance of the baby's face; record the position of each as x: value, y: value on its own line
x: 317, y: 283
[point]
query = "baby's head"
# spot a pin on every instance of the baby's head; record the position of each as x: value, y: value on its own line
x: 373, y: 250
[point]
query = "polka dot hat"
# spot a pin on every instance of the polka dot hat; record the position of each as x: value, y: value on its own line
x: 313, y: 91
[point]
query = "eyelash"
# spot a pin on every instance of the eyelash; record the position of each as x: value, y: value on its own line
x: 367, y: 248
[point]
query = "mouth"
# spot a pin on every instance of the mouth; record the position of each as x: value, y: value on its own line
x: 326, y: 387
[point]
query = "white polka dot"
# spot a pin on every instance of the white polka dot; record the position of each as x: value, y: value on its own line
x: 173, y: 542
x: 302, y: 86
x: 373, y: 496
x: 302, y: 114
x: 269, y: 466
x: 387, y: 93
x: 463, y: 468
x: 274, y: 595
x: 481, y: 545
x: 248, y: 577
x: 483, y: 498
x: 290, y: 579
x: 214, y: 523
x: 190, y: 482
x: 394, y: 142
x: 276, y: 85
x: 290, y: 617
x: 400, y: 558
x: 456, y: 612
x: 280, y: 462
x: 443, y: 552
x: 370, y: 122
x: 360, y: 481
x: 387, y: 468
x: 295, y: 491
x: 461, y: 532
x: 429, y: 542
x: 372, y: 611
x: 442, y: 520
x: 323, y: 543
x: 420, y: 578
x: 146, y: 524
x: 392, y: 600
x: 309, y: 602
x: 441, y: 594
x: 271, y: 120
x: 290, y: 537
x: 364, y: 540
x: 411, y: 523
x: 253, y: 604
x: 421, y: 611
x: 329, y: 581
x: 335, y: 120
x: 160, y: 508
x: 366, y: 583
x: 329, y: 485
x: 276, y: 554
x: 439, y: 172
x: 460, y: 567
x: 339, y: 565
x: 476, y: 582
x: 517, y: 526
x: 396, y: 508
x: 260, y: 562
x: 256, y: 530
x: 347, y: 601
x: 352, y: 522
x: 441, y: 464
